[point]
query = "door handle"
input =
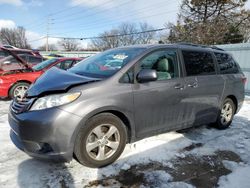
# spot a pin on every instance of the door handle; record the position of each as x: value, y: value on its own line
x: 193, y: 85
x: 179, y: 86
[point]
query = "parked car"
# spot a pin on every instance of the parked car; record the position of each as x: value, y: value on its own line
x: 50, y: 56
x: 18, y: 61
x: 14, y: 83
x: 92, y: 113
x: 4, y: 52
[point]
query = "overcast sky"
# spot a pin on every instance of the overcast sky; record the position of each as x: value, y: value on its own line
x: 82, y: 18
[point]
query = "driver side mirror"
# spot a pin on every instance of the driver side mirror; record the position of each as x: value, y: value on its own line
x: 146, y: 75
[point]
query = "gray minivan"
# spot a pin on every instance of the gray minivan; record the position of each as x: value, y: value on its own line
x: 122, y: 95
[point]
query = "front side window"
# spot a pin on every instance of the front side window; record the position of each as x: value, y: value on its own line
x: 226, y: 63
x: 164, y: 62
x: 198, y: 63
x: 64, y: 64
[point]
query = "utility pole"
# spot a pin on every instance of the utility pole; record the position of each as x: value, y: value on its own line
x: 49, y: 22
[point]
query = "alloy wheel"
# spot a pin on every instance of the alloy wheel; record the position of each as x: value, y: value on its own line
x: 20, y: 91
x: 226, y: 113
x: 102, y: 142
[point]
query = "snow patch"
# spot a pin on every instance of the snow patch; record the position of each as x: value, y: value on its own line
x: 239, y: 178
x: 19, y: 170
x: 158, y: 178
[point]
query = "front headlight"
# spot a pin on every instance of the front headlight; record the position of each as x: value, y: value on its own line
x: 54, y: 100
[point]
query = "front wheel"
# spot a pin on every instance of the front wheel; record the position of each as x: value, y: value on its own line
x: 18, y: 90
x: 226, y: 115
x: 101, y: 141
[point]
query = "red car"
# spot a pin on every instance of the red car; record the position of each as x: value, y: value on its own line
x: 14, y: 83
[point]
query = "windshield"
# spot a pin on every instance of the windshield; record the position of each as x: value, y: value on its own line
x: 106, y: 64
x: 44, y: 64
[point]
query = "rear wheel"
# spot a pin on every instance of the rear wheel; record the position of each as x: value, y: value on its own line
x: 18, y: 90
x: 101, y: 141
x: 226, y: 115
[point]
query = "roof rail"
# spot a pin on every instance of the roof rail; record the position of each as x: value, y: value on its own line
x: 198, y: 45
x: 216, y: 48
x: 192, y: 44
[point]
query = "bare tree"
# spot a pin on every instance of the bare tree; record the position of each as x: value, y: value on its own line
x: 106, y: 40
x: 125, y: 30
x: 125, y: 34
x: 147, y: 37
x: 15, y: 37
x: 69, y: 44
x: 52, y: 47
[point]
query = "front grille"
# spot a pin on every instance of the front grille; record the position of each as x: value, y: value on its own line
x: 19, y: 106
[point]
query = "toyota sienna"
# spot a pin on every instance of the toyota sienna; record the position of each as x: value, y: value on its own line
x: 122, y: 95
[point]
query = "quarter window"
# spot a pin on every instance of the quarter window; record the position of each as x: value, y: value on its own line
x: 164, y: 62
x: 128, y: 77
x: 226, y: 63
x: 198, y: 63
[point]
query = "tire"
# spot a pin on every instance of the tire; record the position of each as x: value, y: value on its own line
x: 22, y: 86
x: 100, y: 141
x: 226, y: 114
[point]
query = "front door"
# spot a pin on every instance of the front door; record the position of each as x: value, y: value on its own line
x: 159, y: 104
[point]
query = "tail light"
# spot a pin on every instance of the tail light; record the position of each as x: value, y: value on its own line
x: 244, y: 80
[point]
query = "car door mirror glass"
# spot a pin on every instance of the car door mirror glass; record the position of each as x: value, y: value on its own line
x: 146, y: 75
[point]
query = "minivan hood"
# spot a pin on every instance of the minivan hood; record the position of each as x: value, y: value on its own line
x: 56, y: 80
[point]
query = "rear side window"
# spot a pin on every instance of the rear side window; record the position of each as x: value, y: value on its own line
x: 226, y: 63
x: 198, y: 63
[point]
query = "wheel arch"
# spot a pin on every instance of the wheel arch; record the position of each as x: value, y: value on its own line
x: 235, y: 101
x: 18, y: 81
x: 123, y: 118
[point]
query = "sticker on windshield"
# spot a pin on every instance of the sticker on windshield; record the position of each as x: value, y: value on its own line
x: 120, y: 56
